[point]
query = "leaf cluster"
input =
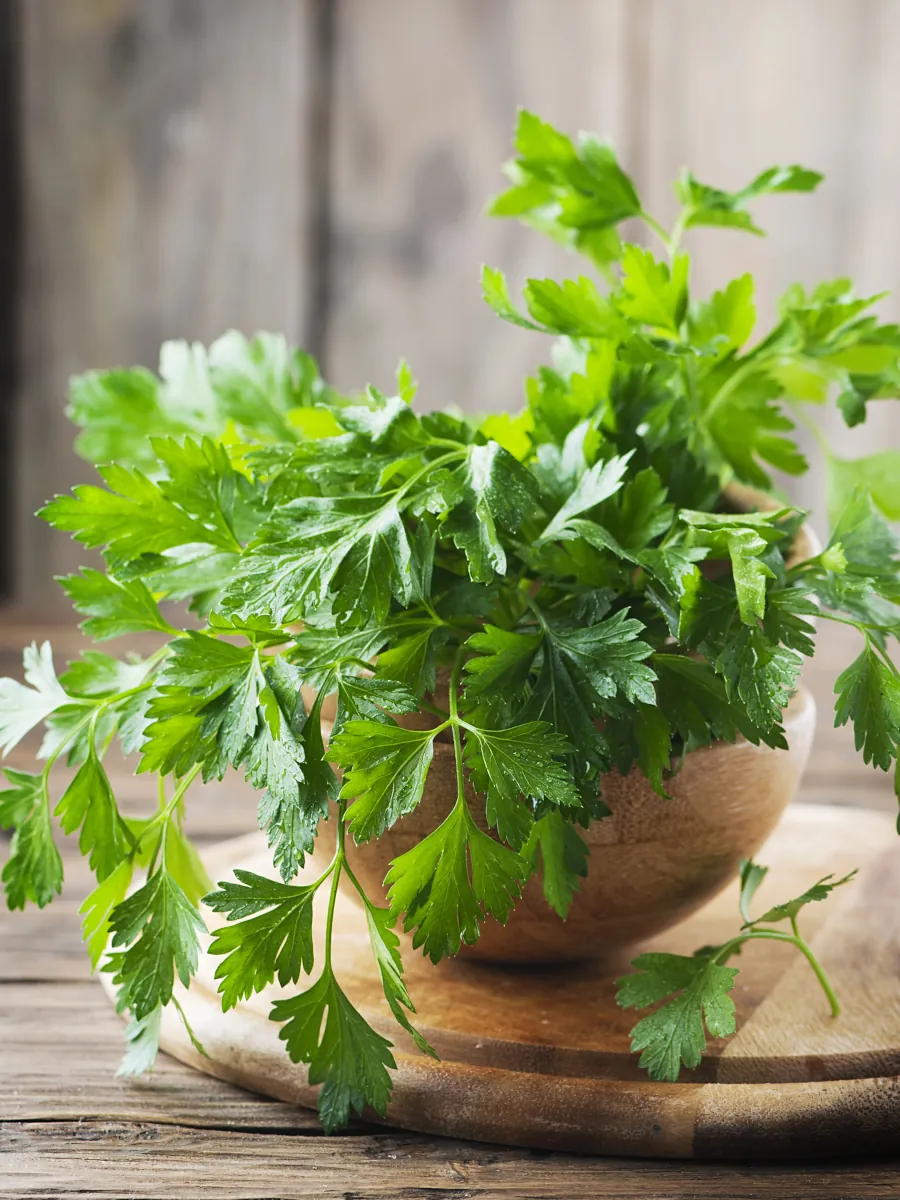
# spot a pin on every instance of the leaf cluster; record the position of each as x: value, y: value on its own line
x: 582, y: 586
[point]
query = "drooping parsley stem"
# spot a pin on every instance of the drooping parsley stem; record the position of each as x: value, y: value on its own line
x: 337, y: 865
x: 163, y: 817
x: 454, y: 725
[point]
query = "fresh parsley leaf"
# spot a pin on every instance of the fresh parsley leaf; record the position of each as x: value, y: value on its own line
x: 154, y: 935
x: 97, y: 910
x: 113, y: 608
x: 270, y: 934
x: 675, y: 1034
x: 521, y: 761
x: 34, y: 869
x: 653, y: 295
x: 385, y: 769
x: 386, y: 948
x: 868, y: 694
x: 88, y: 804
x: 490, y: 495
x: 361, y: 698
x: 705, y: 205
x: 596, y: 485
x: 142, y: 1044
x: 563, y: 859
x: 752, y: 875
x: 790, y: 910
x: 449, y: 881
x: 355, y: 547
x: 23, y: 707
x: 322, y: 1028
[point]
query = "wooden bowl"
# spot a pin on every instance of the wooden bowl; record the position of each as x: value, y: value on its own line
x: 652, y: 863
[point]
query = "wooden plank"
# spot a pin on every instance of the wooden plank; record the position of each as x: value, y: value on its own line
x: 730, y: 90
x: 62, y: 1043
x: 10, y: 226
x: 92, y: 1159
x: 164, y: 152
x: 425, y: 102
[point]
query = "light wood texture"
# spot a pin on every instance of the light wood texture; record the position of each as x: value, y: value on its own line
x: 166, y: 190
x: 414, y: 164
x: 540, y: 1057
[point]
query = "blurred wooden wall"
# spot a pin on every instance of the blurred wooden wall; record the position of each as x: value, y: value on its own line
x: 321, y: 167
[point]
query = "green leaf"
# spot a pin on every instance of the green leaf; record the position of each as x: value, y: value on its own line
x: 271, y: 934
x: 789, y: 911
x: 746, y: 539
x: 759, y: 674
x: 675, y: 1034
x: 706, y: 205
x: 653, y: 295
x: 597, y: 484
x: 868, y: 694
x: 23, y: 707
x: 563, y: 856
x: 299, y: 783
x: 502, y: 665
x: 608, y: 656
x: 726, y: 320
x: 520, y: 761
x: 98, y: 907
x: 448, y: 882
x: 155, y: 934
x: 574, y: 307
x: 879, y: 474
x: 576, y: 194
x: 363, y: 699
x: 131, y: 519
x: 353, y: 547
x: 653, y: 741
x: 322, y: 1028
x: 113, y: 608
x: 694, y: 700
x: 34, y: 869
x: 118, y: 411
x: 261, y: 383
x: 489, y: 494
x: 495, y: 292
x: 752, y: 875
x: 385, y: 768
x: 142, y: 1044
x: 386, y: 949
x: 88, y: 804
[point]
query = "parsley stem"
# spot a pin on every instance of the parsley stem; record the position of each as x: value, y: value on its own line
x: 730, y: 385
x: 793, y: 939
x: 429, y: 466
x: 652, y: 223
x: 163, y: 817
x: 337, y: 866
x: 454, y: 725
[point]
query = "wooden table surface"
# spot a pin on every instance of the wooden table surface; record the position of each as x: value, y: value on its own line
x: 68, y: 1127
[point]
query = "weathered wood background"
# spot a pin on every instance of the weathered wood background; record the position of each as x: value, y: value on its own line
x: 321, y: 167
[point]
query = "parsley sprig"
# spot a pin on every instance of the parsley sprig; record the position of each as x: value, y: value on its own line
x: 561, y: 591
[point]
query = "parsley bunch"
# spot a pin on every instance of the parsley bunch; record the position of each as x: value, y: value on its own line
x: 564, y: 590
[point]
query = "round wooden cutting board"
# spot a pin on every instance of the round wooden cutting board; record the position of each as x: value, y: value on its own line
x: 540, y: 1057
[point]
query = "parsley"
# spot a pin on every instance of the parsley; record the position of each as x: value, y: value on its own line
x: 553, y: 593
x: 696, y: 990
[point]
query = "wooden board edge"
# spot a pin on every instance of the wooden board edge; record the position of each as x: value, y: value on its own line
x: 588, y: 1116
